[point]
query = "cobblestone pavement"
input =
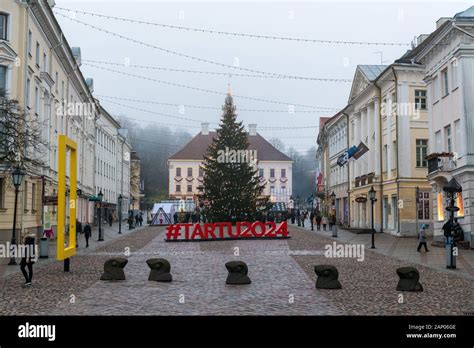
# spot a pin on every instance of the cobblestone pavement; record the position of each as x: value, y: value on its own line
x: 281, y: 272
x: 405, y: 249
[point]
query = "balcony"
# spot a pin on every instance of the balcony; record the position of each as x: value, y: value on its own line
x: 440, y: 162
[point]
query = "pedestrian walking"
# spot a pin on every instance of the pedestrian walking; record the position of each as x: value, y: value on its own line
x: 78, y: 232
x: 110, y: 220
x: 422, y: 238
x: 137, y: 220
x: 311, y: 217
x: 27, y: 259
x: 140, y: 219
x: 87, y: 234
x: 303, y: 217
x: 130, y: 221
x: 175, y: 218
x: 318, y: 221
x: 325, y: 222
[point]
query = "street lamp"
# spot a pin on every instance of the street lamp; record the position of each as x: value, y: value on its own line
x: 18, y: 175
x: 100, y: 195
x: 372, y: 200
x: 120, y: 200
x: 452, y: 189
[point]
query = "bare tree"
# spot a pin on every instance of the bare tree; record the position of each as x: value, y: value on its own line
x: 277, y: 143
x: 21, y: 140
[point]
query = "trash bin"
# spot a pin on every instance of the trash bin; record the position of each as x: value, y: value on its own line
x: 334, y: 230
x: 450, y: 257
x: 44, y: 248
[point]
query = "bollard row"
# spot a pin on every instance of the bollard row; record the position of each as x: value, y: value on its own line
x: 328, y: 275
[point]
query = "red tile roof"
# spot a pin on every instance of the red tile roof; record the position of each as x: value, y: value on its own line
x: 197, y: 148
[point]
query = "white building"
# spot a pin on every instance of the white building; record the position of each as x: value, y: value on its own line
x: 186, y: 174
x: 112, y: 165
x: 448, y: 58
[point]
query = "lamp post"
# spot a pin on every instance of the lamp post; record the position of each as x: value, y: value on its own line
x: 372, y: 201
x: 333, y: 199
x: 298, y: 210
x: 452, y: 189
x: 100, y: 195
x: 120, y: 199
x: 18, y: 175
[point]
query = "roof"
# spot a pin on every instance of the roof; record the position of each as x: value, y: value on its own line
x: 196, y: 149
x: 466, y: 14
x: 372, y: 71
x: 322, y: 121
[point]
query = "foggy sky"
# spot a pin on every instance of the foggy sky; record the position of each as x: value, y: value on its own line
x: 333, y: 20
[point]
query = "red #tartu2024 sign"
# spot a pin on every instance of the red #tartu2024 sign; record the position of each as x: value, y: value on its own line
x: 225, y: 230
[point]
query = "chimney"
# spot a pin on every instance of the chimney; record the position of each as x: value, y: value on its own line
x: 205, y: 128
x: 76, y: 52
x: 441, y: 21
x: 253, y: 129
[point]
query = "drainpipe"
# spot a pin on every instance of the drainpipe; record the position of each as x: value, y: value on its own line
x: 397, y: 180
x: 380, y: 155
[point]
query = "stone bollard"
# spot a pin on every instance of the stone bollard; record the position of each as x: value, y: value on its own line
x: 409, y: 279
x: 160, y: 270
x: 113, y: 269
x: 327, y: 277
x: 237, y: 273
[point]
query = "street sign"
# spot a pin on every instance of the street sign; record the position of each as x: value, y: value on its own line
x: 94, y: 199
x: 50, y: 200
x: 361, y: 149
x: 361, y: 199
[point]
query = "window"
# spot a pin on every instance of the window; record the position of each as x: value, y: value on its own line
x: 385, y: 157
x: 272, y: 188
x: 283, y: 173
x: 30, y: 42
x: 445, y: 80
x: 190, y: 172
x: 3, y: 81
x: 260, y: 172
x: 420, y: 99
x: 438, y: 141
x: 62, y: 90
x: 45, y: 62
x: 56, y: 81
x: 440, y: 207
x: 423, y: 205
x: 190, y: 188
x: 272, y: 173
x: 2, y: 193
x: 33, y: 197
x: 460, y: 205
x: 201, y: 172
x: 37, y: 53
x: 454, y: 73
x: 37, y: 100
x: 449, y: 141
x: 457, y: 131
x: 394, y: 155
x: 28, y: 93
x: 3, y: 26
x: 178, y: 171
x: 283, y: 188
x: 25, y: 197
x: 421, y: 152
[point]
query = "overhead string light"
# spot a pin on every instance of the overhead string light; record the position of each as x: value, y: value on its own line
x: 207, y: 90
x: 313, y: 112
x: 236, y: 34
x: 319, y: 79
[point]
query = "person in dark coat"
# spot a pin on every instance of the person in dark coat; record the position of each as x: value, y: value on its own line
x: 140, y: 219
x: 130, y: 221
x: 137, y: 220
x: 87, y: 234
x: 175, y: 218
x: 27, y: 260
x: 110, y: 220
x: 318, y: 221
x: 311, y: 217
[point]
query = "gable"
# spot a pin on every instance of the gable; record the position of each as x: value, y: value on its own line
x: 7, y: 54
x: 359, y: 83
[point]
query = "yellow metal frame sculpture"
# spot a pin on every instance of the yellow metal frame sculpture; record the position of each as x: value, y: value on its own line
x: 64, y: 143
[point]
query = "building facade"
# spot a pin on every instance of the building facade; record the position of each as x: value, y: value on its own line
x: 186, y: 172
x: 447, y: 55
x: 41, y: 71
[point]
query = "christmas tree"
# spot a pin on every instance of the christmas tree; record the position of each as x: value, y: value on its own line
x: 232, y: 187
